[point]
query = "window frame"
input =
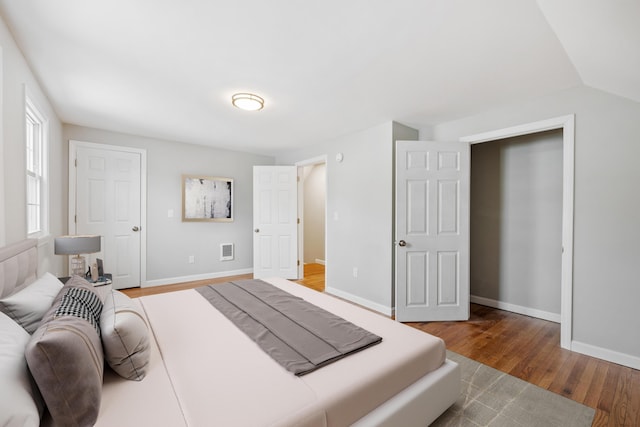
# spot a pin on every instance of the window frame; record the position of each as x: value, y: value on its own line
x: 36, y: 143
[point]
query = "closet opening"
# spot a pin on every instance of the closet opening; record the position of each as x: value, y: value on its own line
x: 516, y: 224
x: 565, y: 125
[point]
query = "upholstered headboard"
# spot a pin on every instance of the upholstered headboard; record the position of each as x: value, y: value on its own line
x: 18, y: 266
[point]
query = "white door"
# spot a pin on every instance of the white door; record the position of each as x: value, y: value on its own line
x: 108, y: 203
x: 432, y: 230
x: 275, y: 222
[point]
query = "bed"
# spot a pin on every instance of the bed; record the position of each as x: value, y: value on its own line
x: 202, y: 371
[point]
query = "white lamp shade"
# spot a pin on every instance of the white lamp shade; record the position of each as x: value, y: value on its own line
x: 75, y: 245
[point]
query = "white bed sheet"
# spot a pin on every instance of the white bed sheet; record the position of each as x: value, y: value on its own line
x: 201, y: 354
x: 150, y: 402
x: 354, y: 386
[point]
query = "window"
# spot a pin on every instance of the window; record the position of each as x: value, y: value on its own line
x: 36, y: 154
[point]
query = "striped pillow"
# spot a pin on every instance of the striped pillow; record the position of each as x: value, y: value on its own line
x: 82, y: 303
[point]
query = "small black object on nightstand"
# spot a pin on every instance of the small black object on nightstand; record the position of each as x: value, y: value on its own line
x: 104, y: 279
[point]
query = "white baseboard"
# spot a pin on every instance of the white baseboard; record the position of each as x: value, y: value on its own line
x: 577, y: 346
x: 320, y: 261
x: 387, y: 311
x: 606, y: 354
x: 527, y: 311
x: 173, y: 280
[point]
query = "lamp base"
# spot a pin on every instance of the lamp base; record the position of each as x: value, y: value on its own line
x: 78, y: 266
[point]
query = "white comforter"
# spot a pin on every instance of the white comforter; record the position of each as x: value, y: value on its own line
x: 195, y: 378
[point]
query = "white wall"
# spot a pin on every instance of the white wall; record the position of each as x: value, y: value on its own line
x: 516, y: 222
x: 16, y: 76
x: 606, y: 211
x: 315, y: 194
x: 170, y: 241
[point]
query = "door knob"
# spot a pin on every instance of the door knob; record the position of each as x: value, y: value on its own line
x: 257, y: 230
x: 135, y: 228
x: 402, y: 243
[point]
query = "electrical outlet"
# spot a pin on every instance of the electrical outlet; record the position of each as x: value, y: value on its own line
x: 355, y: 271
x: 192, y: 259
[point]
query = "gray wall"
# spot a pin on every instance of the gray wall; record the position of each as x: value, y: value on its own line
x: 16, y: 77
x: 315, y: 194
x: 399, y: 133
x: 170, y: 241
x: 606, y: 209
x: 516, y: 221
x: 360, y: 212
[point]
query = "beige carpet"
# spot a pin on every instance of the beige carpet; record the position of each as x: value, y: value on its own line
x: 492, y: 398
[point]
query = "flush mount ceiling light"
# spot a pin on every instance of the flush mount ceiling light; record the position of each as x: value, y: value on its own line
x: 247, y: 101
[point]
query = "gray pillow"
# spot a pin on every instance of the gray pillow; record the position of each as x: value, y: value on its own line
x: 125, y: 337
x: 65, y: 355
x: 29, y: 305
x: 20, y: 403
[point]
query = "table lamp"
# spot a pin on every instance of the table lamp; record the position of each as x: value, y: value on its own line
x: 77, y: 245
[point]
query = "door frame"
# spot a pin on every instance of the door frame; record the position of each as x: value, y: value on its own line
x: 73, y: 147
x: 300, y: 165
x: 567, y: 124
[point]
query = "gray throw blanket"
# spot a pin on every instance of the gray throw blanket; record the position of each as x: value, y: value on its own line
x: 295, y: 333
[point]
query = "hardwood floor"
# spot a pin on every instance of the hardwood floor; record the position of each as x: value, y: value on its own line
x: 139, y: 292
x: 313, y: 277
x: 529, y: 349
x: 521, y: 346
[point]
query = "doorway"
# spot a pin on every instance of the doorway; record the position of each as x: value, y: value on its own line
x: 567, y: 125
x: 312, y: 200
x: 516, y: 224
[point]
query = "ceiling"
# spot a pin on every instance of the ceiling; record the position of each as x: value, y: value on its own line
x: 167, y: 69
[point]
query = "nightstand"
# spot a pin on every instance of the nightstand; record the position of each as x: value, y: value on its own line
x: 102, y: 280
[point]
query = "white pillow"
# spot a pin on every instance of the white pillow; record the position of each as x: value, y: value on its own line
x: 125, y: 336
x: 20, y: 403
x: 27, y: 306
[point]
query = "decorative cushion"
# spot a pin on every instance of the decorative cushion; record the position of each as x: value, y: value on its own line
x: 83, y: 303
x: 29, y: 305
x: 125, y: 337
x: 65, y: 355
x: 20, y: 403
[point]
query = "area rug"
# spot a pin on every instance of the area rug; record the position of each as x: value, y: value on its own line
x: 492, y: 398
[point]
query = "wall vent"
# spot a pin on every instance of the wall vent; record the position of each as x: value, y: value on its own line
x: 226, y: 251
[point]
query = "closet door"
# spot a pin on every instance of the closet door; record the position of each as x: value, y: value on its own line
x: 432, y: 230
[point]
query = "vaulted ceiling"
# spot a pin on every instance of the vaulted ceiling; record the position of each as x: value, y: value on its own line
x: 167, y: 69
